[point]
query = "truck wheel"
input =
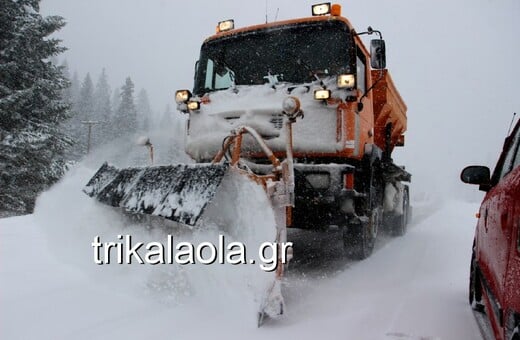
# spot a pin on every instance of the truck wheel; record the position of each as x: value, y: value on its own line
x: 398, y: 224
x: 359, y: 238
x: 475, y: 285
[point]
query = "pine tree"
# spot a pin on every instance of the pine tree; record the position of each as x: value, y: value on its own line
x: 74, y: 88
x: 75, y: 128
x: 72, y: 125
x: 83, y: 115
x: 144, y: 111
x: 67, y: 94
x: 86, y: 99
x: 125, y: 121
x: 31, y: 108
x: 116, y: 100
x: 102, y: 109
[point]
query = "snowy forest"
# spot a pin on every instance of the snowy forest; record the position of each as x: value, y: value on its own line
x: 109, y: 114
x: 49, y: 116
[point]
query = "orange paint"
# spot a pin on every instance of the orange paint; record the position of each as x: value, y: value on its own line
x: 349, y: 181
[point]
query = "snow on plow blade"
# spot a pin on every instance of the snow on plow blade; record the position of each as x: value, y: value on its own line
x: 176, y: 192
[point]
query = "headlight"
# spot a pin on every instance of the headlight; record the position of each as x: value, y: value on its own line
x: 346, y: 81
x: 182, y: 96
x: 321, y: 9
x: 193, y: 105
x: 322, y: 94
x: 226, y: 25
x: 291, y: 105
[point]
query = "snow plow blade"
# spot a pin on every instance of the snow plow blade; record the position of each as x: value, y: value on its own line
x: 181, y: 192
x: 176, y: 192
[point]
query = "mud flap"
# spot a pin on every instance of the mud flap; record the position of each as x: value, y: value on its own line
x: 176, y: 192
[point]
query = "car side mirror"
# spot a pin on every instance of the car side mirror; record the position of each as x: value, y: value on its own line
x: 377, y: 54
x: 476, y: 174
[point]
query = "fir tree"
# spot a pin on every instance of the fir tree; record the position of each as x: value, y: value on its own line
x: 31, y: 108
x: 67, y: 92
x: 84, y: 114
x: 116, y: 100
x: 72, y: 125
x: 144, y: 111
x: 102, y: 109
x: 74, y: 88
x: 86, y: 99
x: 126, y: 116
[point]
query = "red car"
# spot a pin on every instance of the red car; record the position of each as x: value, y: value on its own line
x: 494, y: 289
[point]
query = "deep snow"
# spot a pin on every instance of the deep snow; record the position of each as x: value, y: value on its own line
x: 412, y: 287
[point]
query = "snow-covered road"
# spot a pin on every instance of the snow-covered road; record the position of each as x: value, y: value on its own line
x: 411, y: 288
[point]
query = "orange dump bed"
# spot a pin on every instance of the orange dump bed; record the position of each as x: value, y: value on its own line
x: 389, y: 107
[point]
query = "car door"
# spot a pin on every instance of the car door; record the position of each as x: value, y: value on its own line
x: 495, y: 228
x: 511, y: 303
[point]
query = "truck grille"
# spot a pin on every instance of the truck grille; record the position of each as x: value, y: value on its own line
x: 277, y: 120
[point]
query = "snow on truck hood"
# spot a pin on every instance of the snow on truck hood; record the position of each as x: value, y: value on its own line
x: 260, y: 107
x: 255, y: 95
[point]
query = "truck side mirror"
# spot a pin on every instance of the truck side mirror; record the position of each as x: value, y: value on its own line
x: 377, y: 54
x: 476, y: 174
x: 196, y: 70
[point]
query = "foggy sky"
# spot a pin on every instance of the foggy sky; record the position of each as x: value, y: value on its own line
x: 454, y: 63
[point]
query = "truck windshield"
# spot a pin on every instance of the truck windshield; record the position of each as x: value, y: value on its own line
x: 292, y: 53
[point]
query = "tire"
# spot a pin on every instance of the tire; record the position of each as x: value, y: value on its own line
x: 359, y: 238
x: 360, y: 233
x: 475, y: 285
x: 399, y: 224
x: 516, y: 333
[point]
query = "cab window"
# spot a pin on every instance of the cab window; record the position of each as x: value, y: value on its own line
x: 218, y: 76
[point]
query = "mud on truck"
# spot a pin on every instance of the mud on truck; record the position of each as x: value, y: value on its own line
x: 300, y: 107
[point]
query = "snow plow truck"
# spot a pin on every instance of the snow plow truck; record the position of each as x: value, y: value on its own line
x: 300, y: 107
